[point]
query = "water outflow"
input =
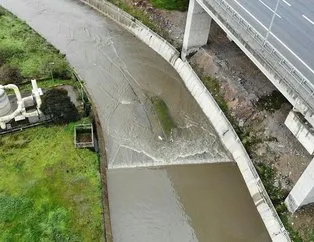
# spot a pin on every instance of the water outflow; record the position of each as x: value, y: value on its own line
x: 122, y: 74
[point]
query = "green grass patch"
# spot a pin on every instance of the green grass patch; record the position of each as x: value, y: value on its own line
x: 213, y: 87
x: 277, y: 196
x: 163, y: 114
x: 46, y: 84
x: 142, y: 16
x: 49, y: 191
x: 181, y: 5
x: 23, y: 48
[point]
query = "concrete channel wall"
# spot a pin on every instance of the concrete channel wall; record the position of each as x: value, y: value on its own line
x: 211, y: 109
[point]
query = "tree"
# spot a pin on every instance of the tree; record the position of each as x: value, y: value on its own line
x: 57, y: 103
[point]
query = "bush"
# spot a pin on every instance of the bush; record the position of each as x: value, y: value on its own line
x: 58, y: 105
x: 9, y: 50
x: 2, y: 12
x: 271, y: 102
x: 57, y: 67
x: 9, y: 74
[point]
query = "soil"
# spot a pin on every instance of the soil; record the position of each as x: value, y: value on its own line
x: 242, y: 84
x: 83, y: 138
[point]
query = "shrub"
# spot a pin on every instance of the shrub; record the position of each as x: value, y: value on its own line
x: 57, y: 67
x: 58, y: 105
x: 9, y: 50
x: 2, y: 12
x: 271, y: 102
x: 9, y: 74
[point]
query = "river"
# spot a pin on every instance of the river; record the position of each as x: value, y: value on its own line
x: 197, y: 200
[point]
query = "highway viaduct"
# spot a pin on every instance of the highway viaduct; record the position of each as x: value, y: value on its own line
x: 278, y: 37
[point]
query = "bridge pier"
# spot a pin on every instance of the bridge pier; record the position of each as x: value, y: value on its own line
x: 196, y: 29
x: 303, y: 191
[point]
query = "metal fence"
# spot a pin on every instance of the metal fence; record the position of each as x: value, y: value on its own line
x: 268, y: 56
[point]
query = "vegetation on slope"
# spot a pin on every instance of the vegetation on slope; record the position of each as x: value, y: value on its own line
x: 181, y: 5
x: 24, y: 50
x: 49, y: 190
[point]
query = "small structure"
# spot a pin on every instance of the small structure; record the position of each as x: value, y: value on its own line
x: 20, y: 113
x: 84, y: 136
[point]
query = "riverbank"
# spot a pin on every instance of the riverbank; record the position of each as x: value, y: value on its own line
x: 49, y: 189
x: 242, y: 89
x: 113, y: 100
x: 210, y: 109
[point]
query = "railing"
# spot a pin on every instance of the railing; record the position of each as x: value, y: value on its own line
x: 262, y: 50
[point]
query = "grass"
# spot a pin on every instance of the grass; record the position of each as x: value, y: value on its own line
x: 181, y: 5
x: 213, y: 87
x: 46, y: 84
x: 163, y: 114
x: 277, y: 195
x: 142, y: 16
x: 23, y: 48
x: 49, y: 191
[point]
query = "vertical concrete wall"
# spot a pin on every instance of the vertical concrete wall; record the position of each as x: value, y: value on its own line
x: 196, y: 28
x: 301, y: 131
x: 303, y: 192
x: 211, y: 109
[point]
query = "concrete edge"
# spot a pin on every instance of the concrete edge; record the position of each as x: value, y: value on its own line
x: 210, y: 108
x: 102, y: 165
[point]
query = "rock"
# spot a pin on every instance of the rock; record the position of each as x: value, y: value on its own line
x: 241, y: 123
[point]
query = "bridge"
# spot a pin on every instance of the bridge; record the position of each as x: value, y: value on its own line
x: 278, y: 37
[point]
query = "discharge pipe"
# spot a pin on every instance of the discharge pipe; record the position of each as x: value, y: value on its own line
x: 20, y: 110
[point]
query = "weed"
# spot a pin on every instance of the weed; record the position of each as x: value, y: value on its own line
x: 181, y: 5
x: 271, y: 102
x: 163, y: 114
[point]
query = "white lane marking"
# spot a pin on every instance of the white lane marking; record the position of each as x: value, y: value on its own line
x: 283, y: 44
x: 311, y: 21
x: 269, y: 8
x: 286, y: 3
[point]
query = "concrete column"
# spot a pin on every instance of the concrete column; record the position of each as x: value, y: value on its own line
x: 303, y: 131
x: 303, y: 191
x: 196, y: 28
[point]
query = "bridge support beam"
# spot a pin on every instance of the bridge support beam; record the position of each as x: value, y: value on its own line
x: 196, y: 28
x: 303, y: 191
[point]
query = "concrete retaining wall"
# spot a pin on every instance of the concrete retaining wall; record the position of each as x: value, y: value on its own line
x: 210, y: 108
x: 301, y: 131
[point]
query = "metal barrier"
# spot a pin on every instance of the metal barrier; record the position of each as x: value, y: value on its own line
x: 261, y: 49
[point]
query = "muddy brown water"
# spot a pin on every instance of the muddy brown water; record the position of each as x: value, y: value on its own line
x: 183, y: 203
x: 188, y: 198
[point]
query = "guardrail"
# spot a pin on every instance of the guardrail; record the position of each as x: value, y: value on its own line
x: 261, y: 49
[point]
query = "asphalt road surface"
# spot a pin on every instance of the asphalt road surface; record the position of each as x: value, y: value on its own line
x: 287, y: 24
